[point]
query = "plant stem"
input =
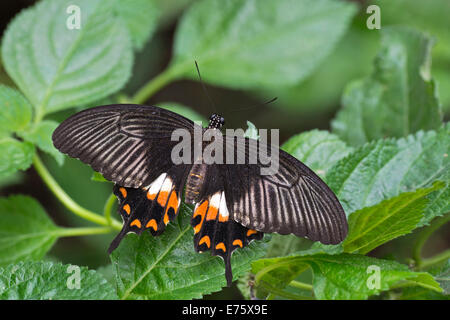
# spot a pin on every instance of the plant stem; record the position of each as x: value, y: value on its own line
x: 67, y: 201
x: 152, y: 86
x: 108, y: 208
x: 74, y: 232
x: 443, y: 256
x: 424, y: 236
x: 301, y: 285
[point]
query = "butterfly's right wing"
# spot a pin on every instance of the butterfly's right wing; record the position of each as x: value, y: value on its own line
x: 128, y: 144
x: 291, y: 199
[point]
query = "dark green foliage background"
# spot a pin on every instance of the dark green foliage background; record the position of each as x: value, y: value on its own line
x: 365, y: 109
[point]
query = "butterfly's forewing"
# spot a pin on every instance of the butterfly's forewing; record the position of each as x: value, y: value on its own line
x: 291, y: 200
x: 129, y: 144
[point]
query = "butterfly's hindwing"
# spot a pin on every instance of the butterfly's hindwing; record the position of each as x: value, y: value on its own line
x: 151, y: 207
x: 214, y: 230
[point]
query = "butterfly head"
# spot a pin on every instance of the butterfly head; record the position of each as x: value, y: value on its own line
x: 216, y: 121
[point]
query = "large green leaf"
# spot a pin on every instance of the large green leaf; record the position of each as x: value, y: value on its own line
x: 399, y: 97
x: 167, y: 267
x: 14, y: 156
x: 372, y: 226
x: 15, y: 110
x: 57, y: 67
x: 342, y: 276
x: 40, y: 135
x: 141, y: 18
x: 251, y: 43
x: 383, y: 169
x: 319, y: 150
x: 430, y: 16
x: 52, y: 281
x: 26, y: 231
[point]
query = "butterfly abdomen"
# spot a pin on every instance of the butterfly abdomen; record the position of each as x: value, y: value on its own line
x: 194, y: 183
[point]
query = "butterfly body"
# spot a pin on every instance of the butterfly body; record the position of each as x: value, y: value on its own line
x: 234, y: 204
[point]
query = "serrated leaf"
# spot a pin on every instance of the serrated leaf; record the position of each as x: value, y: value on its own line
x: 57, y: 67
x: 342, y: 276
x: 167, y: 267
x: 383, y: 169
x: 14, y: 155
x: 400, y: 91
x: 141, y: 18
x: 48, y: 280
x: 251, y: 43
x: 319, y: 150
x: 183, y: 110
x: 40, y: 135
x: 26, y: 231
x: 372, y: 226
x: 15, y: 110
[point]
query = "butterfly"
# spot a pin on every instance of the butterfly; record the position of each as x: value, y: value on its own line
x: 234, y: 204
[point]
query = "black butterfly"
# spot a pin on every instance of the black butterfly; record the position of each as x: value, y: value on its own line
x: 131, y: 145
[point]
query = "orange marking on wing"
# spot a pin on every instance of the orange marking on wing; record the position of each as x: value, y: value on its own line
x: 127, y: 208
x: 212, y: 213
x: 123, y: 191
x: 201, y: 210
x: 206, y: 240
x: 223, y: 218
x: 152, y: 223
x: 151, y: 196
x: 221, y: 246
x: 162, y: 198
x: 173, y: 203
x: 237, y: 242
x: 136, y: 223
x: 250, y: 232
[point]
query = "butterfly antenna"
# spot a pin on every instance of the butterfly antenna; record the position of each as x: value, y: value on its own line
x: 204, y: 87
x: 257, y: 105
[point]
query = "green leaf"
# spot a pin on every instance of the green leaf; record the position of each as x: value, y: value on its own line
x: 40, y: 135
x: 400, y: 91
x: 386, y: 168
x: 15, y: 110
x: 26, y: 231
x: 319, y: 150
x: 167, y: 267
x: 343, y: 276
x: 336, y: 71
x: 52, y: 281
x: 141, y: 18
x: 252, y: 131
x: 251, y: 43
x: 57, y: 67
x: 444, y: 277
x: 14, y: 155
x: 372, y: 226
x: 430, y: 16
x: 97, y: 176
x: 183, y: 110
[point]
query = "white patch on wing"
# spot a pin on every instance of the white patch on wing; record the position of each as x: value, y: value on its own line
x: 215, y: 200
x: 223, y: 210
x: 156, y: 185
x: 167, y: 185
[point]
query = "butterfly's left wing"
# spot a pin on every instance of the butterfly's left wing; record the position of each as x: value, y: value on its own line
x: 131, y: 145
